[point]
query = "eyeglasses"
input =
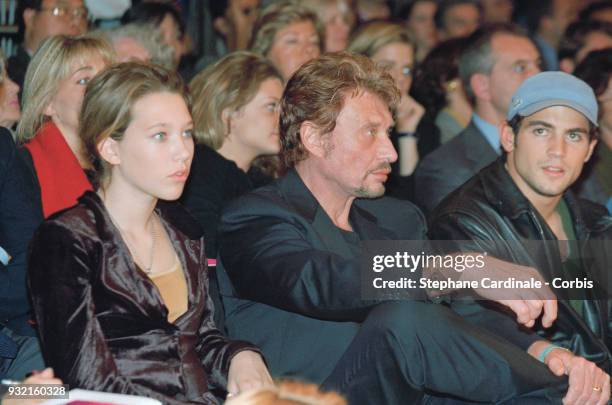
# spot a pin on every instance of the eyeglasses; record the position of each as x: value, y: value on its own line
x: 79, y: 13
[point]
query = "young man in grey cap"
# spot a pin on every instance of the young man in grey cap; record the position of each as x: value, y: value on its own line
x: 523, y: 199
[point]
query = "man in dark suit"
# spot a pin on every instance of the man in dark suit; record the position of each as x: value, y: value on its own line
x: 20, y: 215
x: 289, y: 273
x: 497, y: 61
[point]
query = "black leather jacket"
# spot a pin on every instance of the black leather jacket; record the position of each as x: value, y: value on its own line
x: 491, y: 211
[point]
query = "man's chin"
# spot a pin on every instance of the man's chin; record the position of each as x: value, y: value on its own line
x: 370, y: 192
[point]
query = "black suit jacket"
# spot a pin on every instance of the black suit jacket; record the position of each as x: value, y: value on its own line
x: 289, y: 281
x: 20, y: 215
x: 451, y: 165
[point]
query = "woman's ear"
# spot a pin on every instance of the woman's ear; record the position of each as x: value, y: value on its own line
x: 109, y: 151
x: 49, y: 109
x: 226, y: 118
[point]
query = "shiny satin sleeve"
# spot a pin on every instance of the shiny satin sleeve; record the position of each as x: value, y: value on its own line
x: 62, y: 271
x: 214, y: 348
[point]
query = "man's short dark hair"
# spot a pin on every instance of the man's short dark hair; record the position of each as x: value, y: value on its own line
x: 35, y: 4
x: 153, y: 13
x: 536, y: 11
x: 445, y: 5
x: 477, y: 56
x: 218, y: 8
x: 576, y: 34
x: 587, y: 13
x: 596, y: 70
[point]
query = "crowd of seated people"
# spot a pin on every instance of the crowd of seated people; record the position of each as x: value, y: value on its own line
x: 186, y: 221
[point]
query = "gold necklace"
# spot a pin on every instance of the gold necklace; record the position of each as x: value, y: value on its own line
x: 154, y: 236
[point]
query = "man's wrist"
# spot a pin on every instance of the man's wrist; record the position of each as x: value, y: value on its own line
x: 542, y: 349
x: 548, y: 349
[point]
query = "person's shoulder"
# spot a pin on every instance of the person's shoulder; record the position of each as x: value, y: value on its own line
x: 181, y: 219
x: 6, y: 137
x: 595, y: 216
x: 210, y: 168
x: 389, y: 206
x: 468, y: 199
x: 7, y: 144
x: 78, y: 218
x: 450, y: 151
x: 205, y: 155
x: 81, y: 221
x: 259, y: 201
x: 401, y: 216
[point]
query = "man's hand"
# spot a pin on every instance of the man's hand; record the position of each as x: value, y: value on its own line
x: 247, y: 371
x: 588, y: 384
x: 409, y: 113
x: 527, y: 304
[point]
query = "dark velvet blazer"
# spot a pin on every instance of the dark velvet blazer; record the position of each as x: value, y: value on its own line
x: 103, y: 324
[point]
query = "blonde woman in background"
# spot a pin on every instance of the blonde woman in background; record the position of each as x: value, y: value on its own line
x: 289, y: 34
x: 52, y: 96
x: 390, y: 46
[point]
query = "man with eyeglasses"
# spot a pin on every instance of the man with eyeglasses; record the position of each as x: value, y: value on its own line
x: 42, y: 19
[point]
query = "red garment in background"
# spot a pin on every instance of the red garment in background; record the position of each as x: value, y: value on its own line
x: 61, y: 177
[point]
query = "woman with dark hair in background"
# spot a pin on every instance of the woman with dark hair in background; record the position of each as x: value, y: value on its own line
x: 438, y: 87
x: 595, y: 183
